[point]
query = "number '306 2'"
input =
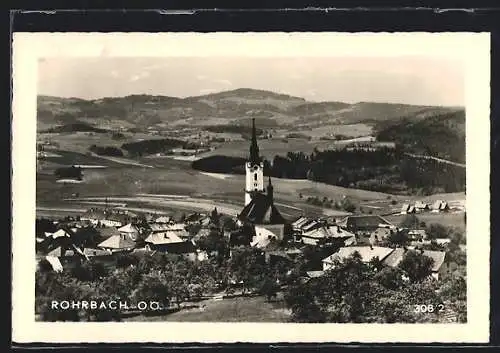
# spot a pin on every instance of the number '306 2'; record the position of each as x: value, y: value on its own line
x: 428, y: 308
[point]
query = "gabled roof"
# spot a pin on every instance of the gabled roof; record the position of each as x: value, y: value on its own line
x: 261, y: 210
x: 58, y: 252
x: 300, y: 222
x: 437, y: 256
x: 371, y: 221
x: 439, y: 205
x: 55, y: 263
x: 163, y: 238
x: 128, y: 228
x: 394, y: 258
x: 117, y: 242
x: 398, y: 254
x: 327, y: 232
x: 60, y: 233
x: 420, y: 204
x: 367, y: 253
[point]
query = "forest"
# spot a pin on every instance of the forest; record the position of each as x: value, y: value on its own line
x: 147, y: 147
x: 384, y: 170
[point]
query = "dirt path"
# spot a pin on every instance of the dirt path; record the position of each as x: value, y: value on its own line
x: 436, y: 159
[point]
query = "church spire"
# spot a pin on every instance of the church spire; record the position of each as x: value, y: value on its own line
x: 254, y: 149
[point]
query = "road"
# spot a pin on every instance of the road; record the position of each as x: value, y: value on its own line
x: 436, y: 159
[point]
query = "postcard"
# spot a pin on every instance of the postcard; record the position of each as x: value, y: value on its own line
x: 250, y: 187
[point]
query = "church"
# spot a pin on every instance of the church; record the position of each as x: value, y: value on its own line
x: 259, y: 211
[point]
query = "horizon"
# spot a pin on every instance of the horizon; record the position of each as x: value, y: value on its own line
x: 246, y: 88
x: 412, y: 80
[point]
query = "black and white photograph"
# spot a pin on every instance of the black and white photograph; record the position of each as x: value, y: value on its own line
x: 276, y: 188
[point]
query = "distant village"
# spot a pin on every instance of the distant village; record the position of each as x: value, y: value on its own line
x: 103, y: 234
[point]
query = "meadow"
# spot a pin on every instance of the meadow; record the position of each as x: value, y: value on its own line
x: 255, y: 309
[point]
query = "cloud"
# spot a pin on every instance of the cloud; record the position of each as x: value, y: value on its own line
x: 201, y: 77
x: 114, y: 74
x: 222, y: 82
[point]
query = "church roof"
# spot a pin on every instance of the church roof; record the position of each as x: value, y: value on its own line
x: 261, y: 210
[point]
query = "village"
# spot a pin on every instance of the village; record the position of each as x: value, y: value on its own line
x: 105, y: 235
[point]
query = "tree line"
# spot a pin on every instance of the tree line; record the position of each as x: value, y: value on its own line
x: 146, y: 147
x: 384, y: 170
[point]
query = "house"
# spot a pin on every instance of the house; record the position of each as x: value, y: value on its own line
x: 325, y: 233
x: 299, y: 223
x: 104, y: 218
x: 438, y: 258
x: 60, y: 233
x: 117, y: 243
x: 114, y: 220
x: 439, y: 206
x: 421, y: 206
x: 169, y: 242
x: 406, y: 208
x: 163, y: 220
x: 55, y: 263
x: 367, y: 254
x: 417, y: 234
x: 129, y: 230
x: 365, y: 223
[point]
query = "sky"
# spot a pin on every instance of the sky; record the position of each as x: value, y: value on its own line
x: 408, y: 80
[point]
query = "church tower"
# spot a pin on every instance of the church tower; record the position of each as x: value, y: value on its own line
x: 254, y: 169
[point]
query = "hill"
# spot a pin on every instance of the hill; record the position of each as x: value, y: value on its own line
x: 440, y: 135
x: 228, y: 107
x: 75, y: 127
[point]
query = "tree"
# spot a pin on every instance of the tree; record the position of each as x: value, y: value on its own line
x: 437, y: 231
x: 89, y: 271
x: 269, y: 288
x: 391, y: 278
x: 398, y: 237
x: 410, y: 221
x: 153, y: 286
x: 416, y: 265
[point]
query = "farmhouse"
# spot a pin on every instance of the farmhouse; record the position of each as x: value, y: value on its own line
x: 325, y: 233
x: 406, y: 208
x: 439, y: 206
x: 437, y: 257
x: 367, y: 254
x: 365, y: 223
x: 117, y: 243
x: 129, y: 230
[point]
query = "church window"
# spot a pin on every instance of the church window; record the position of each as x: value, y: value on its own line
x: 255, y: 177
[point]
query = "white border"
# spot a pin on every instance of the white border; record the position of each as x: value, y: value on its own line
x: 472, y: 48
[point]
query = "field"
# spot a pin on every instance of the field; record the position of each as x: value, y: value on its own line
x: 447, y: 219
x: 351, y: 130
x: 126, y: 178
x: 255, y: 309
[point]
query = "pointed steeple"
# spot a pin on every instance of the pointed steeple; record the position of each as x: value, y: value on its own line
x: 254, y: 148
x: 270, y: 190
